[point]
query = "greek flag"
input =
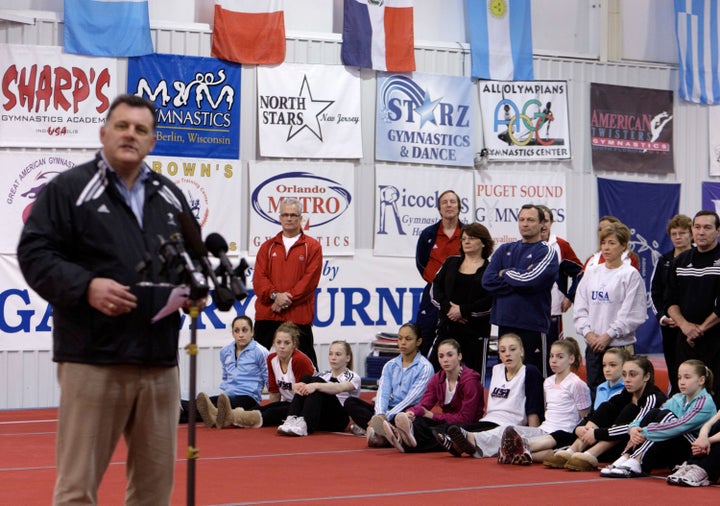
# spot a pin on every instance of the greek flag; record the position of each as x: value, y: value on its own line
x: 696, y: 24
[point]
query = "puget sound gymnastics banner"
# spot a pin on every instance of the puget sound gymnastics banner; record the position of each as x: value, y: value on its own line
x: 53, y: 99
x: 197, y: 101
x: 645, y: 208
x: 525, y: 120
x: 309, y: 111
x: 424, y: 118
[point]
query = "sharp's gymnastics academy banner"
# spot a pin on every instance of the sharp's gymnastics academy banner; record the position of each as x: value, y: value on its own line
x: 525, y: 120
x: 53, y: 99
x: 197, y: 101
x: 711, y: 196
x: 327, y: 192
x: 499, y: 195
x: 309, y: 111
x: 407, y: 202
x: 424, y: 118
x: 212, y: 188
x: 23, y: 175
x: 645, y: 208
x: 631, y: 129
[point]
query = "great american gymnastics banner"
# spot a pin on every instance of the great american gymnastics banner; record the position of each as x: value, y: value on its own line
x: 425, y: 118
x: 645, y: 208
x: 197, y: 101
x: 525, y: 120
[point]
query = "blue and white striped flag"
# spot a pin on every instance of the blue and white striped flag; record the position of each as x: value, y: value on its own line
x: 107, y: 27
x: 501, y: 39
x: 696, y: 25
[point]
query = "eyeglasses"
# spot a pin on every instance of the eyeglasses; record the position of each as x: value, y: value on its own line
x: 679, y: 234
x: 289, y: 215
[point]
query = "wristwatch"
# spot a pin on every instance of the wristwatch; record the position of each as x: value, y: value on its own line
x: 273, y: 295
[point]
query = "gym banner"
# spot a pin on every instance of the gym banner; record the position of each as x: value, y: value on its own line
x: 406, y: 200
x: 711, y: 196
x: 645, y: 208
x: 24, y: 174
x: 326, y: 191
x: 197, y: 101
x: 631, y: 129
x: 424, y: 118
x: 309, y: 111
x: 525, y: 120
x: 53, y: 99
x: 499, y: 195
x: 212, y: 188
x: 714, y: 139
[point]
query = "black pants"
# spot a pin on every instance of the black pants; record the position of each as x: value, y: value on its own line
x: 265, y: 333
x: 274, y: 413
x: 360, y: 411
x: 236, y: 401
x: 661, y: 454
x: 321, y: 411
x: 426, y: 441
x: 426, y: 320
x: 670, y: 338
x: 711, y: 461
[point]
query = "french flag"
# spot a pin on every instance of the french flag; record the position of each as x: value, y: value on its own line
x: 379, y: 35
x: 107, y: 27
x: 249, y: 31
x: 500, y: 39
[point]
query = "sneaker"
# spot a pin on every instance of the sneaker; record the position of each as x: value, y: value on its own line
x: 375, y: 441
x: 558, y: 459
x: 525, y: 458
x: 447, y: 443
x: 677, y: 473
x: 376, y: 422
x: 357, y: 430
x: 393, y: 435
x: 630, y: 468
x: 582, y: 462
x: 618, y: 463
x: 286, y: 428
x: 694, y: 476
x: 299, y: 427
x: 405, y: 428
x: 460, y: 440
x: 512, y: 446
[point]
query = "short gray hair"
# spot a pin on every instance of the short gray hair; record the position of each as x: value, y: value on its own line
x: 292, y: 201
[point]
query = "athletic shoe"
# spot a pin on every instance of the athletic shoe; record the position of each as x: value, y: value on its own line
x: 376, y: 422
x: 392, y: 435
x: 460, y: 440
x: 525, y: 458
x: 618, y: 463
x: 375, y: 441
x: 299, y: 427
x: 405, y: 428
x: 558, y: 459
x: 207, y: 411
x: 357, y: 430
x: 629, y: 469
x: 582, y: 462
x: 287, y: 426
x: 677, y: 472
x: 447, y: 443
x: 694, y: 476
x: 512, y: 446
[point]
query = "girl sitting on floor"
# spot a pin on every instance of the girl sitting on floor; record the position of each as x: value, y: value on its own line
x: 567, y: 400
x: 612, y: 364
x: 402, y: 383
x: 703, y: 468
x: 604, y: 434
x: 285, y: 366
x: 663, y: 438
x: 456, y: 388
x: 318, y: 401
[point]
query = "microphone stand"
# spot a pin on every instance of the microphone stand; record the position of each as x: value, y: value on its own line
x: 192, y: 452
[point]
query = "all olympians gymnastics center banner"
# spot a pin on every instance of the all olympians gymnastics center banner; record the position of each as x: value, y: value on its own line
x: 525, y: 120
x: 631, y: 129
x: 197, y: 101
x: 424, y: 118
x: 53, y: 99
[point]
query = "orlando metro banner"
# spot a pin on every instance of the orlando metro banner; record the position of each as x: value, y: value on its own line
x: 197, y: 101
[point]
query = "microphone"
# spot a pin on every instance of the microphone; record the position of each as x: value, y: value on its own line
x: 222, y: 296
x: 173, y: 251
x: 219, y: 247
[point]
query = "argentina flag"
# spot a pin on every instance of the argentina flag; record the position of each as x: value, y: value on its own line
x: 107, y: 27
x: 501, y: 39
x: 696, y: 25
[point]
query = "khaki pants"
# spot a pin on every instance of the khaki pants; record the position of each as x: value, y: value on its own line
x: 100, y: 403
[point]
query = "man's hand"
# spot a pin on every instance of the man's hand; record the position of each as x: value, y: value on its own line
x: 110, y: 297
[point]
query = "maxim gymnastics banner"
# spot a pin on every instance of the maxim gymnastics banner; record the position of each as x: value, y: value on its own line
x: 24, y: 174
x: 645, y: 208
x: 326, y: 191
x: 212, y: 188
x: 424, y: 118
x: 499, y: 195
x: 631, y: 129
x: 309, y: 111
x: 525, y: 120
x: 406, y: 200
x: 53, y: 99
x: 197, y: 101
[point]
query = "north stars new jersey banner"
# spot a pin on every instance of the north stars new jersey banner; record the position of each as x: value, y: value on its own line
x: 525, y: 120
x: 309, y: 111
x: 645, y: 208
x: 424, y: 118
x: 197, y: 101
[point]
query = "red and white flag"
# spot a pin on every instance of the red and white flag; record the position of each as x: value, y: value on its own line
x: 249, y: 31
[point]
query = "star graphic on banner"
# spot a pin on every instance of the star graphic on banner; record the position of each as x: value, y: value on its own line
x: 313, y: 109
x: 426, y: 110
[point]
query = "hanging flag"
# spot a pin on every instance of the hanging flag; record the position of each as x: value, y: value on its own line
x: 698, y: 41
x: 107, y: 27
x: 249, y: 31
x: 379, y: 35
x: 500, y: 39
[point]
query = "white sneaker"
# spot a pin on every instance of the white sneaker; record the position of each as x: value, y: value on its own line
x: 286, y: 428
x: 299, y: 427
x: 607, y: 471
x: 694, y: 476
